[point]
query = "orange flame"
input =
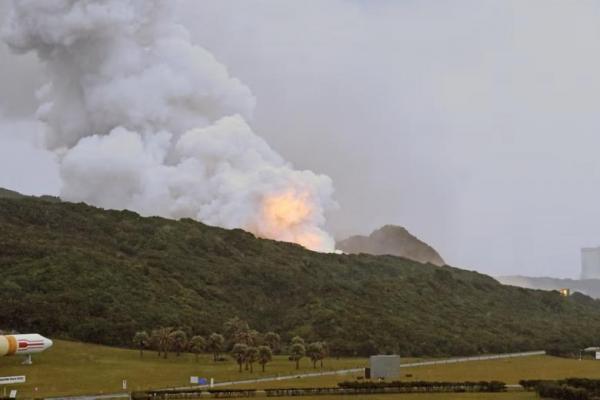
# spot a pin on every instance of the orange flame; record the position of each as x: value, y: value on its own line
x: 286, y: 210
x: 285, y: 216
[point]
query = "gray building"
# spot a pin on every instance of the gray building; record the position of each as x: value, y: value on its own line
x: 590, y: 263
x: 386, y: 367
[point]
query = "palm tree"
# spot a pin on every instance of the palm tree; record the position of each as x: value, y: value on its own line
x: 155, y: 340
x: 265, y: 354
x: 178, y: 339
x: 273, y: 340
x: 324, y: 352
x: 297, y: 351
x: 232, y: 329
x: 297, y: 339
x: 315, y: 352
x: 197, y: 345
x: 243, y: 336
x: 239, y: 353
x: 215, y: 345
x: 251, y: 357
x: 141, y: 340
x: 163, y: 340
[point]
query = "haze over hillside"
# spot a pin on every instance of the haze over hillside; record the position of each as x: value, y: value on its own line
x: 590, y: 287
x: 392, y: 240
x: 76, y: 271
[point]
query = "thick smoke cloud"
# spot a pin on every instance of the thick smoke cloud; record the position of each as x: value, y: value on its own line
x: 21, y: 151
x: 145, y: 120
x: 474, y: 123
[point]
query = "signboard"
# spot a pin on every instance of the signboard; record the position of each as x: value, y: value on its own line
x: 202, y: 381
x: 9, y: 380
x: 13, y: 394
x: 193, y: 379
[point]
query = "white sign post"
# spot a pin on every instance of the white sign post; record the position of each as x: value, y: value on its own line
x: 9, y: 380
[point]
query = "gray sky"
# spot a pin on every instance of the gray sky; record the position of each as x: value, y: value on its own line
x: 475, y: 124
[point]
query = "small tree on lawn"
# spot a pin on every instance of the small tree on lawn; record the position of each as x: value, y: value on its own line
x: 315, y: 352
x: 141, y: 340
x: 197, y: 345
x: 265, y: 355
x: 273, y: 340
x: 239, y: 353
x: 162, y: 338
x: 233, y: 329
x: 297, y: 339
x: 178, y: 341
x: 251, y: 357
x: 215, y: 345
x: 155, y: 340
x: 297, y: 351
x: 324, y: 352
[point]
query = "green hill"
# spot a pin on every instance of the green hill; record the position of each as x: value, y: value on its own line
x: 11, y: 194
x: 75, y: 271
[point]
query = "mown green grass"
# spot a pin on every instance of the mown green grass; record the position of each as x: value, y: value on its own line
x: 78, y: 368
x: 71, y: 368
x: 507, y: 370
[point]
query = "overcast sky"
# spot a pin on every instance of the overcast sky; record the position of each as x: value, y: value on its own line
x: 475, y: 124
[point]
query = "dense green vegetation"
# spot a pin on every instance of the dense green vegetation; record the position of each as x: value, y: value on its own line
x: 347, y: 389
x: 75, y: 271
x: 565, y: 389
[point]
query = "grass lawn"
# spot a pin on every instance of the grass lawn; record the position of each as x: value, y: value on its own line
x: 509, y: 370
x: 71, y: 368
x: 78, y: 368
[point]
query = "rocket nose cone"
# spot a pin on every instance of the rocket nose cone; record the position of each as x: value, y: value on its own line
x: 47, y: 343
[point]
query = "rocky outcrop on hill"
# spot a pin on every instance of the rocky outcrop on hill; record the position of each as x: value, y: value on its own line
x: 392, y: 240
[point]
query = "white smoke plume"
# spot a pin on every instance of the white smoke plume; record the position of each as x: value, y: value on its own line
x: 145, y: 120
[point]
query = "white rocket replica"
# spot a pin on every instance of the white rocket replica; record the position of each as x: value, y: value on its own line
x: 23, y: 345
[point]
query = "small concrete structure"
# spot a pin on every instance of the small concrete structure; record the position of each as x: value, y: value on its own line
x: 385, y: 367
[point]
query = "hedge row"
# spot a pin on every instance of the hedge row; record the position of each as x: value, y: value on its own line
x: 348, y: 388
x: 481, y: 386
x: 566, y: 389
x: 562, y: 392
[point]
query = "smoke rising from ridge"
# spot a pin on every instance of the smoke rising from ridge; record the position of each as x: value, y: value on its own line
x: 145, y: 120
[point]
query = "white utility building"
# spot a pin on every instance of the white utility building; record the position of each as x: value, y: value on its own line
x: 385, y: 367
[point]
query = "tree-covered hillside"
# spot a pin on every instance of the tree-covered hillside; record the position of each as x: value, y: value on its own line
x: 75, y: 271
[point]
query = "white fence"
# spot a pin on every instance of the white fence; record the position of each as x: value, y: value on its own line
x: 361, y: 370
x: 475, y: 358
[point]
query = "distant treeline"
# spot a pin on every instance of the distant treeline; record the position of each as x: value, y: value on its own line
x: 77, y: 272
